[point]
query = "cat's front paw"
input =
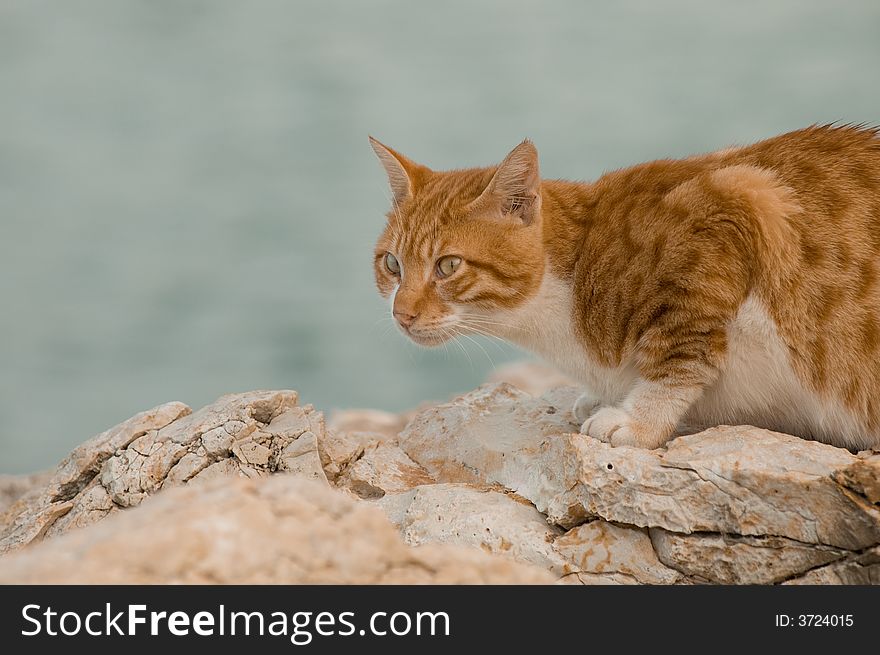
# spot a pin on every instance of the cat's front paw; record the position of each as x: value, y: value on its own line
x: 613, y: 425
x: 606, y: 422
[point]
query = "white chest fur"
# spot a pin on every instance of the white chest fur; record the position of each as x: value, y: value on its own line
x: 544, y: 326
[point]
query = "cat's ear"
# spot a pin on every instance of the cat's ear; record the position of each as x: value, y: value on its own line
x: 515, y: 187
x: 404, y: 174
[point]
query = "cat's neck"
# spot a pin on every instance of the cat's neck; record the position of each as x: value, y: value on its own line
x: 541, y: 320
x: 567, y: 210
x: 544, y: 323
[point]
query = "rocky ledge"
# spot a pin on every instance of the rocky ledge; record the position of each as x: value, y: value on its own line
x: 495, y: 486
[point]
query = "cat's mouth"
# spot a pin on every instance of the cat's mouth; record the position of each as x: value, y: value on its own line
x: 426, y: 337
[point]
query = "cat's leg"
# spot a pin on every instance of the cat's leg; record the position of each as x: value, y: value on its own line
x: 584, y: 406
x: 680, y: 353
x: 647, y: 418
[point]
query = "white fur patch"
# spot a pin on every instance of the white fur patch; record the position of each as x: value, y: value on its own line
x: 543, y: 326
x: 759, y: 387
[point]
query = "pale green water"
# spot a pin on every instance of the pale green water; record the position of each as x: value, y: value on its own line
x: 188, y: 201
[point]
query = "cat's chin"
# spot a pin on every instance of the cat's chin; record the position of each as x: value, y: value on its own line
x: 428, y: 340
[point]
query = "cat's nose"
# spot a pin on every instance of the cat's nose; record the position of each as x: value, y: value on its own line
x: 404, y: 318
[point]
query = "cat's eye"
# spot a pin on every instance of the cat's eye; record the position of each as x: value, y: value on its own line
x: 446, y: 266
x: 392, y: 264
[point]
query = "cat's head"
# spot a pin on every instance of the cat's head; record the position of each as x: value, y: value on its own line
x: 461, y: 249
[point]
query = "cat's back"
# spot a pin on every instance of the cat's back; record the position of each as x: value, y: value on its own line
x: 830, y: 169
x: 808, y: 200
x: 816, y: 155
x: 833, y: 172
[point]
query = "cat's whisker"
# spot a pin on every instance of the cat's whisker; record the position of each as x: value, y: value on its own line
x: 445, y: 347
x: 450, y: 338
x: 479, y: 345
x: 463, y: 349
x: 485, y: 319
x: 478, y: 321
x: 489, y: 325
x: 495, y: 341
x: 479, y: 329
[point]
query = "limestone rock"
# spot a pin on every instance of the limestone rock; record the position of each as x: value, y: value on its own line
x: 78, y: 468
x: 13, y: 487
x: 488, y: 520
x: 284, y: 530
x: 500, y: 470
x: 495, y: 434
x: 731, y: 559
x: 30, y: 517
x: 604, y: 553
x: 340, y: 449
x: 93, y: 504
x: 737, y: 480
x: 859, y: 568
x: 593, y: 553
x: 862, y: 476
x: 249, y: 435
x: 382, y: 469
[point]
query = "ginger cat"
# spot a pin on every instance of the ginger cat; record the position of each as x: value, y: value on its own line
x: 737, y: 287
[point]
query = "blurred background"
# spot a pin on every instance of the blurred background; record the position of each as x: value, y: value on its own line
x: 188, y: 202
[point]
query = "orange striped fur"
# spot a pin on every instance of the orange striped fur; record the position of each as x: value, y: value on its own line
x: 741, y: 286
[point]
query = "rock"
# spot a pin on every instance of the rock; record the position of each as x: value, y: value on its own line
x: 13, y: 487
x: 78, y: 469
x: 488, y: 520
x: 494, y: 432
x: 383, y: 469
x: 339, y: 449
x: 223, y: 468
x: 250, y: 434
x: 604, y: 553
x: 859, y: 568
x: 533, y: 377
x: 495, y: 475
x: 299, y: 456
x: 766, y: 483
x: 32, y: 515
x: 281, y: 530
x: 93, y: 504
x: 738, y: 480
x: 728, y: 505
x: 862, y: 476
x: 593, y: 553
x: 731, y: 559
